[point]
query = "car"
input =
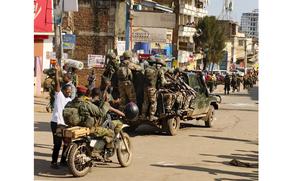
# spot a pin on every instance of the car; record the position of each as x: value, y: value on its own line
x: 202, y: 107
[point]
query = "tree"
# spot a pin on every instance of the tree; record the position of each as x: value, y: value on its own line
x: 211, y: 39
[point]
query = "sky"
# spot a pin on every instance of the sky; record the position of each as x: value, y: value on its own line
x: 239, y: 6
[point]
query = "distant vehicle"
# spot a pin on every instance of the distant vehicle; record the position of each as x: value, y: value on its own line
x: 220, y: 75
x: 237, y: 72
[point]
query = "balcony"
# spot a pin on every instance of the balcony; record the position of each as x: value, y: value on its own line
x: 192, y: 11
x: 186, y: 31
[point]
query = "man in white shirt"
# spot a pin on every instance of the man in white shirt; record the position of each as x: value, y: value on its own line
x: 61, y: 99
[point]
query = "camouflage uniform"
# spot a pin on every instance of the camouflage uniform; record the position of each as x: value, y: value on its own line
x: 125, y: 80
x: 150, y: 93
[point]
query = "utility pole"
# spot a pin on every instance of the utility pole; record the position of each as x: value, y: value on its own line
x: 246, y: 57
x: 58, y: 30
x: 175, y: 40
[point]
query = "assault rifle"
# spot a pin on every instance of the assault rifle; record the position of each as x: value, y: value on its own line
x: 181, y: 84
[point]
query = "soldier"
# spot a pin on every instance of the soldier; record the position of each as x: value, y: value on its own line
x: 93, y: 116
x: 110, y: 73
x: 234, y: 82
x: 111, y: 66
x: 150, y: 80
x: 125, y: 80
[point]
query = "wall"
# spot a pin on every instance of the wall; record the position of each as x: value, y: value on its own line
x: 93, y: 26
x: 47, y: 47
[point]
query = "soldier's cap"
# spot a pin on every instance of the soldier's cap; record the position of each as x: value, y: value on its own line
x: 82, y: 89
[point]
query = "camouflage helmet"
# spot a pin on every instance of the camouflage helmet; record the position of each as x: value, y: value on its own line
x: 160, y: 61
x: 127, y: 54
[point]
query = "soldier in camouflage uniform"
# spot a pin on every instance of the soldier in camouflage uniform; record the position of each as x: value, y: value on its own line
x: 125, y: 80
x: 93, y: 116
x: 150, y: 102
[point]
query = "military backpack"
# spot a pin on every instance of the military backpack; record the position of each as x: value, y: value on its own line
x: 124, y: 73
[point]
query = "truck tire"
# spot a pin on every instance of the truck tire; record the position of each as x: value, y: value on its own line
x: 209, y: 117
x: 172, y: 125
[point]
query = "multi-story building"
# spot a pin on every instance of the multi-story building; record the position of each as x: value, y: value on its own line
x: 188, y: 13
x: 238, y: 48
x: 250, y: 24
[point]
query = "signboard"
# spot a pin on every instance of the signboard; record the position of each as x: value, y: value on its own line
x: 149, y: 35
x: 69, y: 41
x: 43, y: 16
x: 121, y: 47
x: 96, y: 60
x: 150, y: 19
x: 70, y: 5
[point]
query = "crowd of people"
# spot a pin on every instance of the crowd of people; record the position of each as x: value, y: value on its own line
x: 232, y: 81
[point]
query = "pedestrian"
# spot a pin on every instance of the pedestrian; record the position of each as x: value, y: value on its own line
x: 67, y: 80
x: 61, y: 99
x: 92, y: 80
x: 227, y: 81
x: 239, y: 80
x: 214, y: 79
x: 234, y: 82
x: 209, y: 82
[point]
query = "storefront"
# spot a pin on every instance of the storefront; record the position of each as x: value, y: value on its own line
x: 43, y: 39
x: 153, y: 37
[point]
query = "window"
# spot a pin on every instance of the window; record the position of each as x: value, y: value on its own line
x: 241, y: 43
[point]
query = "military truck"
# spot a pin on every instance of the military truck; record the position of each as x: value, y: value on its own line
x: 202, y: 107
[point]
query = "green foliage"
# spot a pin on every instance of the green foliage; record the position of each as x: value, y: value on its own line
x: 211, y: 39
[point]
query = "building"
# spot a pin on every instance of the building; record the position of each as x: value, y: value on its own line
x: 43, y: 39
x: 238, y: 48
x: 188, y: 13
x: 152, y: 27
x: 250, y: 24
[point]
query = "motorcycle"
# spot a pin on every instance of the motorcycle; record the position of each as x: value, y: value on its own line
x: 84, y: 150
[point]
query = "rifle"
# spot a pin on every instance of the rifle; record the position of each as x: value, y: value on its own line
x: 181, y: 84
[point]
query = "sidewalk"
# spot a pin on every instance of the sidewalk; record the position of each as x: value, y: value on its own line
x: 40, y: 102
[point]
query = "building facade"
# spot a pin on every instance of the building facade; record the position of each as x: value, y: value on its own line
x: 250, y: 24
x: 43, y: 39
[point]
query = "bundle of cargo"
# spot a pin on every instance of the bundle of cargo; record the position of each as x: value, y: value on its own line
x: 76, y: 132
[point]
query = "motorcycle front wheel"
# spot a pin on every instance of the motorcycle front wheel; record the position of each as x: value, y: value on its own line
x: 124, y: 151
x: 78, y: 162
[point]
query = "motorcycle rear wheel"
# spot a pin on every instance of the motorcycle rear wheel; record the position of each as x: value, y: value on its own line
x: 124, y: 157
x: 74, y: 158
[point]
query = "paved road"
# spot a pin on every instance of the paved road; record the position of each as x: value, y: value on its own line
x: 196, y: 153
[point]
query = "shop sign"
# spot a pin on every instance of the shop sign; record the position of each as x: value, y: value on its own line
x: 69, y: 41
x: 121, y: 46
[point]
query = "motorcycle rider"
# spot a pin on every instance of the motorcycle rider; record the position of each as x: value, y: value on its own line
x: 92, y: 116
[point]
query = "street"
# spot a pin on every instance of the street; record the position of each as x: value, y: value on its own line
x: 195, y: 153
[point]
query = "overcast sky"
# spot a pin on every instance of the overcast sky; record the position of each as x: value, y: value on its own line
x: 239, y: 7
